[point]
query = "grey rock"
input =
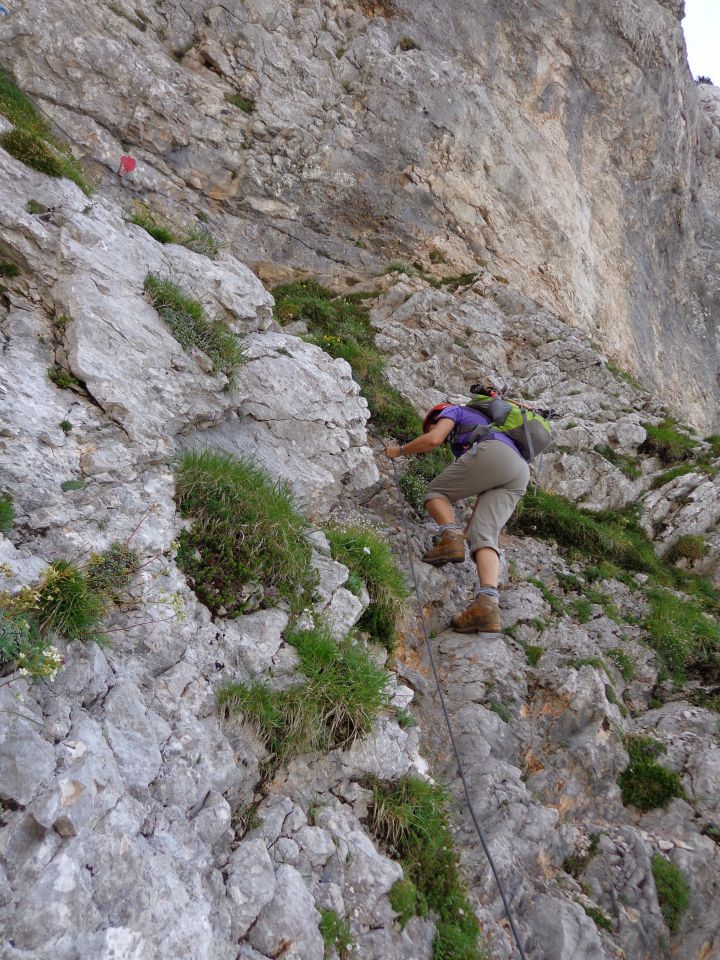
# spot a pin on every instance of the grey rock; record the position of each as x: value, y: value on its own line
x: 250, y: 884
x: 289, y: 919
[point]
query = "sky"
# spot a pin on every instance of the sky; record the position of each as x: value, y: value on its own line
x: 702, y: 37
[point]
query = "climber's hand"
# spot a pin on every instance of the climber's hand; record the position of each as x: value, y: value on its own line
x: 393, y: 452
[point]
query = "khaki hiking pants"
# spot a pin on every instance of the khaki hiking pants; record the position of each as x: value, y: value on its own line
x: 498, y: 475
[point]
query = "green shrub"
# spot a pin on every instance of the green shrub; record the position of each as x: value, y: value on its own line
x: 646, y: 784
x: 341, y: 695
x: 191, y: 328
x: 336, y: 934
x: 369, y: 557
x: 246, y: 104
x: 7, y: 512
x: 577, y: 862
x: 672, y: 474
x: 672, y: 890
x: 582, y: 608
x: 403, y: 899
x: 690, y: 547
x: 246, y: 529
x: 35, y: 207
x: 112, y: 570
x: 62, y: 378
x: 65, y: 426
x: 624, y: 663
x: 410, y: 819
x: 9, y: 270
x: 664, y: 440
x: 405, y: 719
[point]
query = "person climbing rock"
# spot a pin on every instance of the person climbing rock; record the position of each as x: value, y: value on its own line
x: 491, y: 468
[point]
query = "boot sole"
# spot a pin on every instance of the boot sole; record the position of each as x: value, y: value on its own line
x: 440, y: 562
x: 476, y: 629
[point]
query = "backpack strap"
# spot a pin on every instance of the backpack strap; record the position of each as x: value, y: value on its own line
x: 531, y: 448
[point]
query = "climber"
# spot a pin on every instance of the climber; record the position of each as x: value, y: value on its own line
x: 495, y: 470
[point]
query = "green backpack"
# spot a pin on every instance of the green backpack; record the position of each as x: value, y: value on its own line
x: 530, y: 431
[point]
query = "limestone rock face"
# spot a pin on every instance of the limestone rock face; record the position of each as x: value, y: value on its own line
x: 571, y: 152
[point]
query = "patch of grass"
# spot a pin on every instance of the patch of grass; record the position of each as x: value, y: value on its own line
x: 341, y: 695
x: 369, y: 557
x: 65, y: 426
x: 32, y: 141
x: 336, y: 934
x: 646, y: 784
x: 582, y: 608
x: 200, y: 240
x: 9, y: 270
x: 62, y: 602
x: 626, y: 463
x: 623, y: 661
x: 612, y: 697
x: 664, y: 440
x: 196, y: 238
x: 62, y: 378
x: 607, y: 535
x: 403, y: 899
x: 501, y: 710
x: 672, y: 474
x: 23, y: 647
x: 191, y: 327
x: 624, y: 375
x: 714, y: 441
x: 7, y: 512
x: 73, y: 485
x: 690, y: 547
x: 672, y: 891
x: 35, y: 207
x: 151, y: 223
x: 599, y: 917
x: 533, y: 654
x: 595, y: 662
x: 245, y: 529
x: 405, y: 719
x: 407, y: 43
x: 603, y: 600
x: 246, y: 104
x: 684, y: 636
x: 556, y: 604
x: 576, y: 864
x: 409, y: 818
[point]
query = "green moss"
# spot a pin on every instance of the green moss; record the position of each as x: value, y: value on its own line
x: 646, y: 784
x: 336, y: 934
x: 7, y: 512
x: 599, y: 917
x: 342, y: 693
x: 623, y: 461
x: 73, y: 485
x: 664, y: 440
x: 191, y: 327
x: 246, y: 104
x: 369, y: 557
x: 409, y: 818
x: 672, y: 891
x: 246, y: 530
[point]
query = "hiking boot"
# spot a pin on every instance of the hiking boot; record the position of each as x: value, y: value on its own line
x: 482, y: 616
x: 449, y: 547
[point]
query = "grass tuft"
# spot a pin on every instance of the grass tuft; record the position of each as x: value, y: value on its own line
x: 684, y: 636
x: 625, y: 462
x: 624, y: 663
x: 409, y: 817
x: 32, y: 141
x: 672, y: 474
x: 341, y: 695
x: 246, y: 104
x: 245, y: 530
x: 664, y: 440
x: 7, y: 512
x: 672, y: 891
x: 599, y: 917
x: 191, y: 327
x: 690, y: 547
x: 646, y: 784
x: 62, y: 378
x: 336, y: 934
x: 369, y: 557
x: 403, y: 899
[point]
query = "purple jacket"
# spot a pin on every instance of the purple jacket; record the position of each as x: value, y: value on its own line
x: 466, y: 421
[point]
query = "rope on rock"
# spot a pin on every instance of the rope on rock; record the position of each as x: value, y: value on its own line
x: 461, y: 771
